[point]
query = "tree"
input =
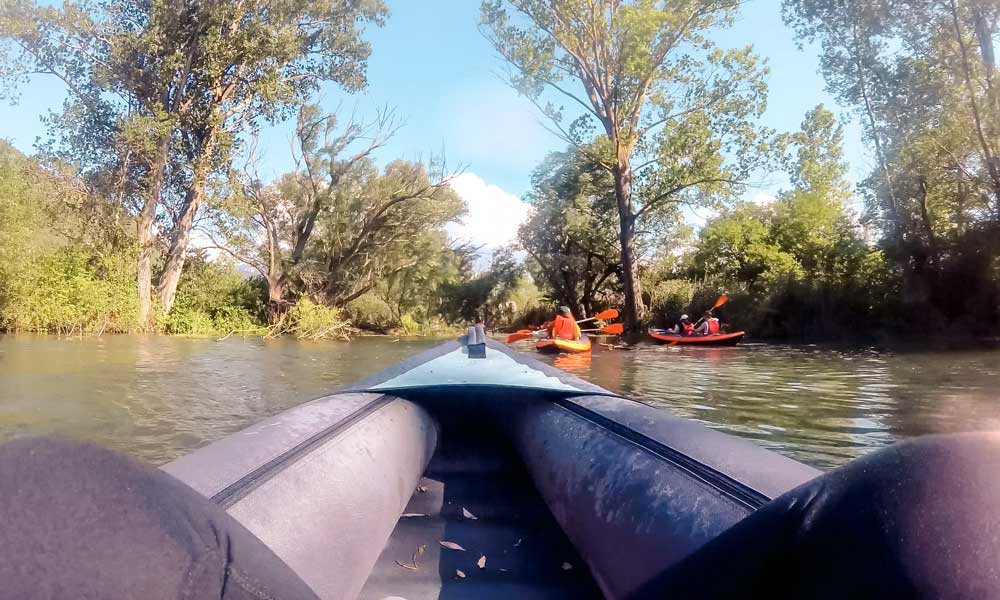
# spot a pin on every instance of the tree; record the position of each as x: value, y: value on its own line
x: 269, y: 226
x: 569, y: 235
x: 677, y: 110
x: 337, y: 226
x: 484, y: 295
x: 165, y: 90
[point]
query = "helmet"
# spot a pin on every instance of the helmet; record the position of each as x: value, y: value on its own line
x: 564, y: 310
x: 683, y: 317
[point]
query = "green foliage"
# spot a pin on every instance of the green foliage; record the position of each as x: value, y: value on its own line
x: 313, y: 321
x: 370, y: 312
x: 68, y: 292
x: 485, y: 295
x: 669, y: 298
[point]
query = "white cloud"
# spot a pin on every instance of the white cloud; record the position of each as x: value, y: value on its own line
x: 494, y: 214
x: 762, y: 199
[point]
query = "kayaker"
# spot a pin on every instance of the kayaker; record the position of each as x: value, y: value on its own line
x: 564, y: 326
x: 683, y: 326
x: 707, y: 325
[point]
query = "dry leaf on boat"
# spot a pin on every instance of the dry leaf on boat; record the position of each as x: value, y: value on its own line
x: 460, y: 573
x: 422, y: 488
x: 482, y: 562
x: 412, y: 515
x: 452, y: 546
x: 405, y: 566
x: 566, y: 566
x: 468, y: 515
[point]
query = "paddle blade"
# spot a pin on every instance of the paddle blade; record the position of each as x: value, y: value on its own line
x: 722, y: 300
x: 607, y: 315
x: 613, y: 329
x: 518, y: 336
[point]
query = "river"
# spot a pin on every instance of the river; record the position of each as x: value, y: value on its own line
x: 158, y: 397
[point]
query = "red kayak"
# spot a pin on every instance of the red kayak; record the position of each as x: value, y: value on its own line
x: 716, y: 339
x: 552, y: 346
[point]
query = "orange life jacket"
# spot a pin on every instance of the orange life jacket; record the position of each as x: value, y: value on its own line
x: 688, y: 328
x: 564, y: 328
x: 713, y: 326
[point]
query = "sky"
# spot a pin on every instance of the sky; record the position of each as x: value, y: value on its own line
x: 432, y: 65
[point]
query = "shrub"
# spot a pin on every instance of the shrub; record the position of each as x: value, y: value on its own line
x: 371, y: 313
x: 314, y: 321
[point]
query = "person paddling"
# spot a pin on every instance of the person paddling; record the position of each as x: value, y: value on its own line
x: 563, y: 326
x: 683, y: 326
x: 707, y: 325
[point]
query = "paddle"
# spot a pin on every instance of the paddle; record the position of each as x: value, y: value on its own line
x: 722, y: 300
x: 523, y: 334
x: 519, y: 335
x: 613, y: 329
x: 611, y: 313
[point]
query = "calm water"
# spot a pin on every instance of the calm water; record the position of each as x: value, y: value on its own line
x: 157, y: 397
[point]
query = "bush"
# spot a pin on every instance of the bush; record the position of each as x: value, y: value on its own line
x: 230, y: 320
x: 189, y: 321
x: 69, y: 291
x: 371, y: 313
x: 669, y: 298
x: 313, y: 321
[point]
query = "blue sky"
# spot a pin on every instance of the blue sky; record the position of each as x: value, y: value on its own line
x: 432, y: 64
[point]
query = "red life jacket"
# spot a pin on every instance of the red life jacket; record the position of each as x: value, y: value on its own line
x: 713, y: 326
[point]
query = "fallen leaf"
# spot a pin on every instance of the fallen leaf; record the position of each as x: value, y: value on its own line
x: 482, y: 562
x: 566, y: 566
x: 410, y: 567
x: 422, y: 488
x: 503, y: 570
x: 405, y: 515
x: 517, y: 543
x: 468, y: 515
x: 460, y: 573
x: 452, y: 546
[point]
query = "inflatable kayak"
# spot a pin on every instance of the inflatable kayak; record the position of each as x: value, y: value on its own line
x: 475, y: 471
x: 717, y: 339
x: 552, y: 346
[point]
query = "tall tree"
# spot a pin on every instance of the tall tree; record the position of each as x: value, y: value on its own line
x: 570, y: 234
x: 676, y: 109
x: 164, y: 89
x: 270, y: 226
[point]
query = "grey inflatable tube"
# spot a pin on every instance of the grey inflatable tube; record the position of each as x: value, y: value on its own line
x: 637, y: 490
x: 322, y: 484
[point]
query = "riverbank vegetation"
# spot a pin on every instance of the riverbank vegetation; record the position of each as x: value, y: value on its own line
x: 144, y: 208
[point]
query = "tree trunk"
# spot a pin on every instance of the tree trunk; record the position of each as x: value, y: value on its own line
x: 167, y: 288
x: 276, y: 305
x: 144, y: 275
x: 634, y: 309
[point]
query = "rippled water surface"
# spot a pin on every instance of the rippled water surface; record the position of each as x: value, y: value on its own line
x: 157, y: 397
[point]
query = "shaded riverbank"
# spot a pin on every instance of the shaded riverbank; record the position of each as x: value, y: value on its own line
x: 159, y: 396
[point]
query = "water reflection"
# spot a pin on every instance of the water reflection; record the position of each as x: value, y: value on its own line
x: 817, y: 405
x: 158, y: 397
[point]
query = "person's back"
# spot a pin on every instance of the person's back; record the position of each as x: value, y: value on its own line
x: 564, y: 327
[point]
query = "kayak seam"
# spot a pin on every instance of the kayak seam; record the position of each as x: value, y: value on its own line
x: 736, y: 490
x: 242, y: 487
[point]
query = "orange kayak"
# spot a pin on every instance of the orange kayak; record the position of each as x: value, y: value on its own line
x: 717, y: 339
x: 553, y: 346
